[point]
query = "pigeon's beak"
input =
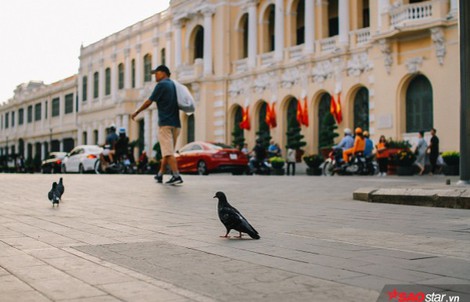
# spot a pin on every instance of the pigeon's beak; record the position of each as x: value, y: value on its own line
x: 215, y: 196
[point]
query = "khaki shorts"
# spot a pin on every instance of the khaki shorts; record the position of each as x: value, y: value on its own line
x: 167, y: 136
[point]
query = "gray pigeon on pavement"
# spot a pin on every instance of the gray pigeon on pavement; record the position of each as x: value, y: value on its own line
x: 232, y: 219
x: 60, y: 187
x: 54, y: 195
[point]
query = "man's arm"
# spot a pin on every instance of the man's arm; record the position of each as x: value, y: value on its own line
x: 144, y: 106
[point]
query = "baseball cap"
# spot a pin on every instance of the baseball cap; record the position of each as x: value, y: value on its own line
x: 162, y: 68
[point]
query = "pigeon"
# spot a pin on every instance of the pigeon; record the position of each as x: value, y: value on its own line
x: 232, y: 219
x: 54, y: 195
x: 60, y: 187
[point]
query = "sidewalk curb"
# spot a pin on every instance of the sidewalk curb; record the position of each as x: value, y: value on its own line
x: 456, y: 198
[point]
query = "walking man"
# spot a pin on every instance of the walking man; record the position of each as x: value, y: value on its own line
x: 164, y: 95
x: 433, y: 150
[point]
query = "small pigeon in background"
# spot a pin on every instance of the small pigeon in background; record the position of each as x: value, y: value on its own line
x: 232, y: 219
x: 60, y: 187
x: 54, y: 195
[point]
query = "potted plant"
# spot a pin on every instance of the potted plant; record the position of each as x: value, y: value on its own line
x: 393, y: 147
x: 452, y: 161
x: 313, y: 161
x: 277, y: 163
x: 404, y: 160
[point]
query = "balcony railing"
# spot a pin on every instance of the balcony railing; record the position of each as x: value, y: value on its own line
x: 266, y: 59
x: 240, y: 66
x: 328, y: 44
x: 360, y: 36
x: 295, y: 51
x: 411, y: 12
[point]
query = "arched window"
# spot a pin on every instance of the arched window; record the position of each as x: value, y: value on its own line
x: 198, y: 42
x: 96, y: 86
x: 333, y: 25
x: 419, y: 107
x: 121, y: 76
x: 191, y: 129
x: 84, y: 88
x: 244, y: 36
x: 263, y: 128
x: 147, y: 68
x: 238, y: 135
x: 300, y: 23
x: 133, y: 72
x: 107, y: 82
x: 269, y: 28
x: 361, y: 109
x: 326, y: 122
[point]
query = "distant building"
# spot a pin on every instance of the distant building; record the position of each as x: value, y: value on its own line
x: 394, y: 65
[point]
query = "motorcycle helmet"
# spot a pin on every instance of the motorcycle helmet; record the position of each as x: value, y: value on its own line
x: 112, y: 127
x: 358, y: 130
x: 347, y: 131
x: 122, y: 130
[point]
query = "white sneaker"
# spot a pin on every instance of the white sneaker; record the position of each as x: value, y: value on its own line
x: 384, y: 174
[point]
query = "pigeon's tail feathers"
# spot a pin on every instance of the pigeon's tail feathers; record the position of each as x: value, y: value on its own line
x: 253, y: 233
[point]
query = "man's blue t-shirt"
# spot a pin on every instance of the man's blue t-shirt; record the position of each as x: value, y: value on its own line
x: 164, y: 95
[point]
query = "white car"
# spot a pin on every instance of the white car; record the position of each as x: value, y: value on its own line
x: 81, y: 159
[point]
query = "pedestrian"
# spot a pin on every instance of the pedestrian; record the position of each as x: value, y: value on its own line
x: 290, y: 159
x: 164, y: 95
x: 244, y: 149
x: 369, y: 148
x: 433, y: 151
x: 382, y: 156
x: 420, y: 152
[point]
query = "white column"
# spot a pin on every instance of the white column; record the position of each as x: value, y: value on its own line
x: 79, y: 137
x: 178, y: 43
x: 208, y: 12
x: 62, y: 145
x: 114, y: 77
x: 43, y: 150
x: 168, y: 49
x: 454, y: 8
x: 252, y: 34
x: 90, y: 84
x: 279, y: 30
x: 90, y: 138
x: 125, y: 122
x: 101, y: 134
x: 127, y: 68
x: 138, y: 66
x: 156, y: 53
x: 79, y: 88
x: 383, y: 6
x: 147, y: 130
x: 309, y: 26
x: 343, y: 12
x: 101, y: 80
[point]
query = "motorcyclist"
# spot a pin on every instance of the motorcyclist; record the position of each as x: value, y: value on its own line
x: 122, y: 144
x: 369, y: 146
x: 346, y: 143
x: 111, y: 139
x: 258, y: 154
x: 359, y: 145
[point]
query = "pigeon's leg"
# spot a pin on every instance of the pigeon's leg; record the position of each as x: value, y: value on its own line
x: 239, y: 237
x: 226, y: 235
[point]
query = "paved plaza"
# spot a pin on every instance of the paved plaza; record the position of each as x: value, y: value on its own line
x: 126, y: 238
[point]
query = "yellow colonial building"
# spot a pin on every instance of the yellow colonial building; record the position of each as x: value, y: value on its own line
x: 392, y: 65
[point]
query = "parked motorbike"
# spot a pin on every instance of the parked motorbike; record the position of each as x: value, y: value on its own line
x: 358, y: 165
x: 257, y: 167
x: 122, y: 165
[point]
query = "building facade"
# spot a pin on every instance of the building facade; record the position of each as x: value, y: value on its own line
x: 392, y: 66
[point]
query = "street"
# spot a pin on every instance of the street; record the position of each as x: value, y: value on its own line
x: 127, y: 238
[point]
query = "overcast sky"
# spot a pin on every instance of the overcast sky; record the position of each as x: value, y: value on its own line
x: 40, y: 39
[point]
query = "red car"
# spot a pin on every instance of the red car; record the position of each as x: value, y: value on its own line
x: 204, y: 157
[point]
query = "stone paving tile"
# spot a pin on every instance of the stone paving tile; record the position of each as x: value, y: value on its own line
x: 317, y: 244
x: 139, y: 291
x: 24, y: 296
x: 106, y: 298
x: 11, y: 284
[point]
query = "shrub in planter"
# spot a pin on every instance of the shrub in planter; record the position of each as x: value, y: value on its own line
x: 404, y: 158
x: 451, y: 158
x: 277, y: 162
x: 313, y: 162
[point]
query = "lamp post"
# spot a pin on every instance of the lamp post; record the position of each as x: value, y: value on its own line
x: 464, y: 20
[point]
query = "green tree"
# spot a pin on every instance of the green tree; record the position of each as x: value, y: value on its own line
x: 327, y: 132
x: 295, y: 138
